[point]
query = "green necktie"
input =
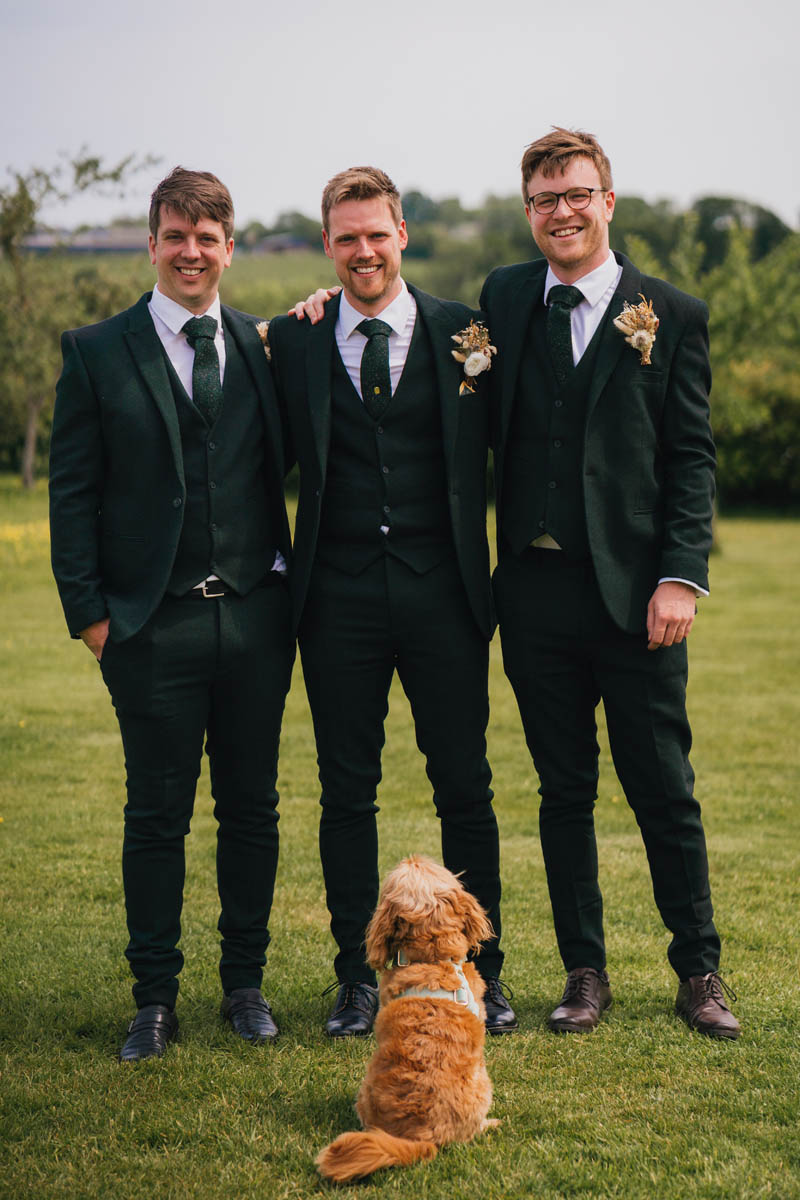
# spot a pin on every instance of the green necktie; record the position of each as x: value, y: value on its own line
x: 376, y: 382
x: 561, y: 300
x: 206, y: 387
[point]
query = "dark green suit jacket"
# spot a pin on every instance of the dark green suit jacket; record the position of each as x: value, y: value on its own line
x: 648, y: 455
x: 117, y: 489
x: 302, y: 357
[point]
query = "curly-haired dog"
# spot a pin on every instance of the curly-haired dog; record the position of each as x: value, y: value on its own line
x: 426, y: 1084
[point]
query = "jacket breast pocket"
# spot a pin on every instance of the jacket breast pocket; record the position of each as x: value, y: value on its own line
x: 649, y: 376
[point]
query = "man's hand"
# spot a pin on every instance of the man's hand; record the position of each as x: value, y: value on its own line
x: 95, y: 637
x: 313, y: 306
x: 670, y: 614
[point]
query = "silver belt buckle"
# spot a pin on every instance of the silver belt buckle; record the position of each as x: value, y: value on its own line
x: 211, y: 595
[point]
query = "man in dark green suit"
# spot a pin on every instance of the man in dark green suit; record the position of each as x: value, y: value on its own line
x: 604, y: 467
x: 391, y: 568
x: 169, y: 543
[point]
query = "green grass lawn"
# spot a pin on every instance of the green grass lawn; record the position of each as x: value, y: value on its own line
x: 642, y: 1108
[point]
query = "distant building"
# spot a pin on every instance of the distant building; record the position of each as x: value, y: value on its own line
x: 117, y: 239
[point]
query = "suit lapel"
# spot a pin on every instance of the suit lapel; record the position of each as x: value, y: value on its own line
x: 438, y: 324
x: 519, y: 310
x: 148, y: 355
x: 243, y: 331
x: 612, y: 343
x: 320, y: 346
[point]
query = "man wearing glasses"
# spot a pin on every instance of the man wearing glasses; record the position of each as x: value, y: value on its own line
x: 604, y: 468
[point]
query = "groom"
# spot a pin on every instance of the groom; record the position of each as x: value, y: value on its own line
x: 604, y: 467
x: 391, y: 569
x: 169, y: 536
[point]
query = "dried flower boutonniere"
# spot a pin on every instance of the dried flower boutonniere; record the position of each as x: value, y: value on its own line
x: 639, y: 323
x: 474, y: 351
x: 262, y: 329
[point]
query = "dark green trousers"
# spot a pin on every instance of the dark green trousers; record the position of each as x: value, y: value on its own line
x: 355, y: 633
x: 213, y: 670
x: 563, y: 654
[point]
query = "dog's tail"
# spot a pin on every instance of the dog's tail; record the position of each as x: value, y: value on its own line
x: 354, y: 1155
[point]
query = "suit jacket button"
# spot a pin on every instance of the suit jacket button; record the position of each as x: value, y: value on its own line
x: 177, y: 502
x: 552, y: 484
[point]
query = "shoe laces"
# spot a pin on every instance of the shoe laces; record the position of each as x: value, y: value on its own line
x: 498, y: 990
x: 713, y: 987
x: 580, y: 986
x: 351, y: 995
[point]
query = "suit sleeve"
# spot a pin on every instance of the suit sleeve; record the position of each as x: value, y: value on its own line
x: 689, y: 456
x: 77, y: 473
x: 277, y: 360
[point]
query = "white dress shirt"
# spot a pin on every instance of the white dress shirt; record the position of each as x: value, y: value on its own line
x: 400, y: 314
x: 598, y: 288
x: 169, y: 318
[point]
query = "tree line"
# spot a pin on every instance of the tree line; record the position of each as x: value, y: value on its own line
x: 739, y: 257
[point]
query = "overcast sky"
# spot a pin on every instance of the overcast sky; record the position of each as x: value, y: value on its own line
x: 688, y: 97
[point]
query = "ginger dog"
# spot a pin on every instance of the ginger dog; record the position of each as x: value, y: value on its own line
x: 426, y: 1083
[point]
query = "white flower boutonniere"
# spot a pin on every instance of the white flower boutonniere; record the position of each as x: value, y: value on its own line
x: 639, y: 324
x: 474, y: 351
x: 262, y: 329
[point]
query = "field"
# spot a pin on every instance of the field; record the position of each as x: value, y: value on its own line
x: 642, y: 1108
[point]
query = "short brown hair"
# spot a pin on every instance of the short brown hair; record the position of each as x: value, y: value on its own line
x: 195, y: 195
x: 555, y: 151
x: 360, y: 183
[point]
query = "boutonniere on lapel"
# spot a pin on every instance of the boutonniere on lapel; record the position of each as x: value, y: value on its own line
x: 262, y: 329
x: 639, y: 323
x: 474, y: 351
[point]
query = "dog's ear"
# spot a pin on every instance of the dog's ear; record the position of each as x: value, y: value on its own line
x: 475, y: 923
x: 381, y: 936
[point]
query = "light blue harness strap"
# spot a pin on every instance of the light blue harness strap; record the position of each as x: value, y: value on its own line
x: 462, y: 995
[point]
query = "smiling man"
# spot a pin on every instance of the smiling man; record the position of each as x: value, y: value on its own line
x: 169, y: 539
x: 604, y: 466
x: 391, y: 568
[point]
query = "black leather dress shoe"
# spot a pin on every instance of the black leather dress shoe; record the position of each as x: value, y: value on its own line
x: 250, y: 1015
x: 500, y: 1016
x: 149, y: 1033
x: 353, y: 1014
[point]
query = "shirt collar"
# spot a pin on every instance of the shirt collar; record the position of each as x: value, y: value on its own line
x: 594, y: 285
x: 175, y: 316
x: 395, y: 314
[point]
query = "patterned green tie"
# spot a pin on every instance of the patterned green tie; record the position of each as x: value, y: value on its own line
x: 376, y: 382
x: 561, y: 300
x: 206, y: 387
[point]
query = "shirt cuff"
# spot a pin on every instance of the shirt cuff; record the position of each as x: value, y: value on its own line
x: 698, y: 591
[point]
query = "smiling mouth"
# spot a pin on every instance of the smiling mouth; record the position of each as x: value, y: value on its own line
x: 567, y: 232
x: 190, y: 271
x: 367, y: 270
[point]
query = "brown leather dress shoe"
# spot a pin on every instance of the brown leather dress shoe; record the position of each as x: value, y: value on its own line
x: 250, y: 1015
x: 354, y: 1011
x: 500, y: 1016
x: 586, y: 996
x: 149, y: 1033
x: 701, y: 1004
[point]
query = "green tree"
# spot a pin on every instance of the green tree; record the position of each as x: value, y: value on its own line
x: 28, y: 303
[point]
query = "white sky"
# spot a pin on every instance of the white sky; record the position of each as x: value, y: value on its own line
x: 687, y: 97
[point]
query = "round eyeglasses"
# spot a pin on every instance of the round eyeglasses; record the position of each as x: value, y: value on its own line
x: 577, y: 198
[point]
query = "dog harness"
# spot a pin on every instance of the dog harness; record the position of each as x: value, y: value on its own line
x: 462, y: 995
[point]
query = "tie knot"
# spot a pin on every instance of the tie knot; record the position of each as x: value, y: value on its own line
x: 567, y: 297
x: 372, y: 327
x: 199, y: 327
